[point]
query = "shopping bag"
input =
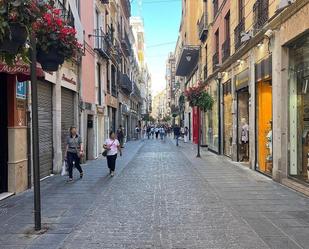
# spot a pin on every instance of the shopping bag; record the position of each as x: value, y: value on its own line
x: 64, y: 171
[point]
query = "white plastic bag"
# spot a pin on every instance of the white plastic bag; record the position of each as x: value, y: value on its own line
x: 64, y: 171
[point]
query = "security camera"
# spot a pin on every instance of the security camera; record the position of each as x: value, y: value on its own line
x: 269, y: 33
x: 284, y: 4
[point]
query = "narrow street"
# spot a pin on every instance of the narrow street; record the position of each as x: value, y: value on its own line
x: 161, y: 197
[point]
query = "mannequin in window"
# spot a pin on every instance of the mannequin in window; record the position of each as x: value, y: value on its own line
x: 244, y: 139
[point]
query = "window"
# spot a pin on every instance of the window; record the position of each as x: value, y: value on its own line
x: 241, y: 11
x: 216, y: 7
x: 107, y: 78
x: 227, y: 26
x: 217, y: 40
x: 99, y: 84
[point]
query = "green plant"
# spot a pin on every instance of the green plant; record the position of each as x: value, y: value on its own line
x: 199, y: 97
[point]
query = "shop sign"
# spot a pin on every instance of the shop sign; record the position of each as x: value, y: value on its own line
x: 111, y: 101
x: 242, y: 79
x: 263, y: 70
x: 21, y: 90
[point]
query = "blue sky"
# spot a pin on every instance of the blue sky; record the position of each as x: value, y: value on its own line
x: 161, y: 20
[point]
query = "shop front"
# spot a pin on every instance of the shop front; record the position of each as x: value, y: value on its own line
x: 264, y: 156
x: 242, y: 110
x: 227, y: 118
x: 299, y: 110
x: 212, y: 119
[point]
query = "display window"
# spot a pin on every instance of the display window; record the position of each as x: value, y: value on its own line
x: 228, y: 120
x: 243, y: 125
x: 212, y: 120
x: 264, y: 127
x: 299, y: 110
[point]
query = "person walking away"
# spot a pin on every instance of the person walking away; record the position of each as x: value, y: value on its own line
x: 157, y: 132
x: 161, y: 132
x: 152, y: 130
x: 74, y: 151
x: 177, y: 134
x: 148, y: 132
x: 136, y: 132
x: 186, y: 133
x: 120, y: 135
x: 112, y: 146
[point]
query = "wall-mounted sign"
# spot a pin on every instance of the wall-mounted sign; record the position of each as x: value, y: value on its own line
x: 21, y: 90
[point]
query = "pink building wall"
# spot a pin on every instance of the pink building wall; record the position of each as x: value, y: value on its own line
x: 220, y: 23
x: 88, y: 90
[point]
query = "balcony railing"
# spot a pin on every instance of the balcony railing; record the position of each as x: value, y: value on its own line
x: 203, y: 28
x: 102, y: 43
x: 125, y: 83
x: 237, y: 32
x: 215, y: 61
x: 66, y: 14
x: 137, y: 92
x: 260, y: 14
x: 226, y: 49
x: 126, y: 45
x: 104, y: 1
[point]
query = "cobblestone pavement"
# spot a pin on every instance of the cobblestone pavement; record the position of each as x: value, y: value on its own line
x: 162, y: 197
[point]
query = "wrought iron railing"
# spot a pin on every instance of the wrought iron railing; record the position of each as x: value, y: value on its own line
x: 215, y: 60
x: 102, y: 43
x: 216, y: 7
x: 203, y: 27
x: 260, y: 14
x: 126, y: 83
x: 237, y: 32
x: 66, y: 14
x: 226, y: 49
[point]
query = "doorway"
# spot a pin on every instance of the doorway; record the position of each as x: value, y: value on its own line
x: 3, y: 134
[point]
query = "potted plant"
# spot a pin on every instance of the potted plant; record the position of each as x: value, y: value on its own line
x: 17, y: 17
x: 199, y: 97
x: 56, y: 40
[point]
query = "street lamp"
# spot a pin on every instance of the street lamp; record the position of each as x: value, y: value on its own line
x: 35, y: 136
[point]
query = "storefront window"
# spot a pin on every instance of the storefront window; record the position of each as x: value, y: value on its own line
x: 299, y: 109
x: 243, y: 124
x: 212, y: 122
x: 228, y: 120
x: 264, y: 127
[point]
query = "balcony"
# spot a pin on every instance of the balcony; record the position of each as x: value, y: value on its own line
x: 66, y: 14
x: 102, y: 43
x: 188, y: 59
x: 216, y: 7
x: 203, y: 28
x: 125, y: 83
x: 215, y: 61
x: 226, y: 49
x: 237, y: 32
x: 127, y: 7
x: 260, y: 14
x: 126, y: 45
x: 137, y: 92
x: 104, y: 1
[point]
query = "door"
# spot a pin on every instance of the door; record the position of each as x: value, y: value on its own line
x: 3, y: 135
x: 67, y: 115
x: 264, y: 127
x: 45, y: 128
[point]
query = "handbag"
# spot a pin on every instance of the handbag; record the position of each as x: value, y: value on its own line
x: 64, y: 171
x: 104, y: 153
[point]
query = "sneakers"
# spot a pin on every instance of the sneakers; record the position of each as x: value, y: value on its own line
x: 112, y: 174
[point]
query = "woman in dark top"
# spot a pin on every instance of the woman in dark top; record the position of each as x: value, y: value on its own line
x: 74, y: 151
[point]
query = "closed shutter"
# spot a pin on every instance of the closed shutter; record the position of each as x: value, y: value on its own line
x: 45, y: 128
x: 67, y: 114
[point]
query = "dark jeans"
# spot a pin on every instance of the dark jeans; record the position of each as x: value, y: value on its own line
x: 177, y: 140
x: 72, y: 157
x: 111, y: 162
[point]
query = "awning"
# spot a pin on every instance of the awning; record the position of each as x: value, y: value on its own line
x: 188, y: 60
x: 21, y: 70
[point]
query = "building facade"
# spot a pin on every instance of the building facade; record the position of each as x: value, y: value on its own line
x: 252, y: 59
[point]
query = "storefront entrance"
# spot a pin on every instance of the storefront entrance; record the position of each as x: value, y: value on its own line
x: 243, y: 125
x: 227, y: 118
x: 3, y: 135
x: 264, y: 127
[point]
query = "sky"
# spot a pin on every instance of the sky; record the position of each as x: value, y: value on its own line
x: 162, y: 21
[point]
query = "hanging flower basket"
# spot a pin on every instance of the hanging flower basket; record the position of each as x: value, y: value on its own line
x: 199, y: 97
x: 51, y: 60
x: 15, y: 39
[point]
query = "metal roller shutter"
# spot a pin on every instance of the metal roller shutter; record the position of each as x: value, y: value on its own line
x: 67, y: 114
x: 45, y: 128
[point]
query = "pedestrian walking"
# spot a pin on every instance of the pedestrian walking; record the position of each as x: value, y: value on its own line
x: 120, y: 135
x: 112, y: 146
x: 157, y: 132
x: 74, y: 151
x: 148, y: 132
x: 185, y: 135
x: 137, y: 132
x: 152, y: 130
x: 177, y: 134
